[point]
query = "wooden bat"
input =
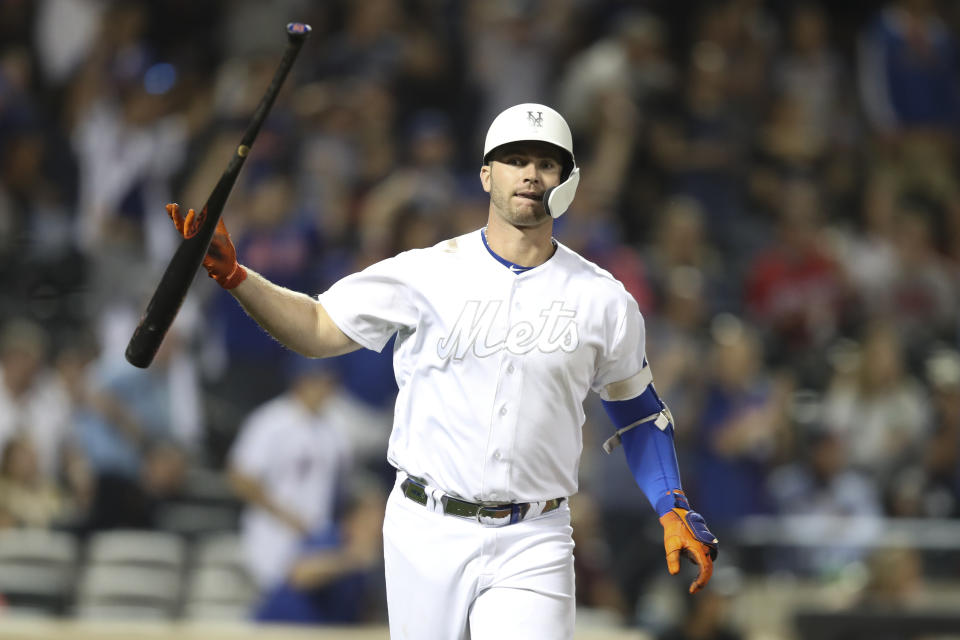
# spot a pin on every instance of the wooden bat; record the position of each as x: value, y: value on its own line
x: 176, y: 280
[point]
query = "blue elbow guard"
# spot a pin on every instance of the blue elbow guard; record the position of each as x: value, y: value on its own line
x: 623, y: 414
x: 648, y: 445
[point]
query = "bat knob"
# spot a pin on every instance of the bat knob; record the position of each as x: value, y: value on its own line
x: 298, y: 30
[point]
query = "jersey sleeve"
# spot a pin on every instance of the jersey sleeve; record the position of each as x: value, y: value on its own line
x: 622, y: 358
x: 371, y: 305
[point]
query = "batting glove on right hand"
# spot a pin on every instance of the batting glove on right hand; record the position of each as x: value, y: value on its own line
x: 685, y: 533
x: 221, y: 257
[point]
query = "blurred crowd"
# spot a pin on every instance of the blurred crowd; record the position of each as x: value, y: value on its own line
x: 775, y: 182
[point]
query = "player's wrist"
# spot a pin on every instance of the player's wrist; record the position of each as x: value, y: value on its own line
x: 234, y: 278
x: 672, y: 499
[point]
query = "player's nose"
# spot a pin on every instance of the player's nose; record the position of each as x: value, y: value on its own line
x: 530, y: 173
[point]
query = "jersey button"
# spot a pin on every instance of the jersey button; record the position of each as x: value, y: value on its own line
x: 510, y: 368
x: 503, y: 411
x: 497, y: 455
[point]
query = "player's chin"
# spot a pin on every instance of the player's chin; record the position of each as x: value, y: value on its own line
x: 530, y: 215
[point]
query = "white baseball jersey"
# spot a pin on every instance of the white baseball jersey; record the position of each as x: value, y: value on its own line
x: 298, y: 457
x: 492, y: 366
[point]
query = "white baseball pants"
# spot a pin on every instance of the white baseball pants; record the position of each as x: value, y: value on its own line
x: 450, y: 578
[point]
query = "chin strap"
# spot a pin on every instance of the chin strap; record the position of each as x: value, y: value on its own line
x: 556, y: 200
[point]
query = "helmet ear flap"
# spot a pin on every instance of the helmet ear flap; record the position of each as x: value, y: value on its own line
x: 556, y: 200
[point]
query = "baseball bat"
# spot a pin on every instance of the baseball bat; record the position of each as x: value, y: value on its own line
x: 176, y: 280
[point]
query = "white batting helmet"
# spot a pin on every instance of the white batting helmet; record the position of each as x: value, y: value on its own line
x: 531, y: 121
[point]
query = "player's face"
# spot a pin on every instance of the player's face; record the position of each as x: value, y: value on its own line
x: 516, y: 179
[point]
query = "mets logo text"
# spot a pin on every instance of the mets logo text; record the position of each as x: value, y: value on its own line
x: 535, y: 120
x: 473, y: 330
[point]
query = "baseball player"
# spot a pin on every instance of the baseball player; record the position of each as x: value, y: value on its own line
x: 284, y: 465
x: 500, y: 335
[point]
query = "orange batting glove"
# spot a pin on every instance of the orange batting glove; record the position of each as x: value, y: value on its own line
x: 685, y: 533
x: 221, y: 258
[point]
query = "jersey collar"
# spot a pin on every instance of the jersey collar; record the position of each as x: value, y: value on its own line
x: 511, y: 266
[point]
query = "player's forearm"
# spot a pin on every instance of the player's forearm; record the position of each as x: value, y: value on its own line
x: 295, y: 319
x: 645, y: 428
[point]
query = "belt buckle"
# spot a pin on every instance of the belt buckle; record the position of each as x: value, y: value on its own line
x: 516, y: 513
x: 490, y: 521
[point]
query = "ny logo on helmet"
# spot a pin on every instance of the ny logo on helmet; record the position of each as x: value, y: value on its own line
x: 535, y: 120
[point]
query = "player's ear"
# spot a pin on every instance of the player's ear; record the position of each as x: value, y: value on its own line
x: 485, y: 177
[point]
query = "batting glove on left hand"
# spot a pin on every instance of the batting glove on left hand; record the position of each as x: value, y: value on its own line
x: 685, y: 533
x: 220, y: 260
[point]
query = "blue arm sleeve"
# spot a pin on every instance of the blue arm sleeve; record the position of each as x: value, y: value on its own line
x: 650, y: 452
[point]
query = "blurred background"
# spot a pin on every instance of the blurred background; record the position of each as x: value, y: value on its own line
x: 774, y: 181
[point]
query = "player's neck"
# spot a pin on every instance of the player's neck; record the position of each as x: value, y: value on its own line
x: 525, y: 246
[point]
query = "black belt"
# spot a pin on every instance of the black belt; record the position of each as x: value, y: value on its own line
x: 494, y: 515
